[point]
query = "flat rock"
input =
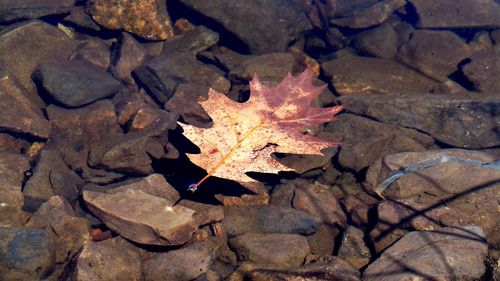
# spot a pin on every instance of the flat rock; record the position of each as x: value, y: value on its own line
x: 76, y: 83
x: 370, y: 16
x: 12, y: 168
x: 93, y: 50
x: 111, y: 259
x: 148, y: 19
x: 68, y: 231
x: 268, y: 219
x: 353, y: 248
x: 263, y: 26
x: 25, y: 254
x: 357, y: 75
x: 460, y: 120
x: 465, y: 14
x: 11, y: 203
x: 9, y: 143
x: 19, y: 113
x: 142, y: 217
x: 154, y: 184
x: 77, y: 16
x: 483, y: 70
x: 280, y: 250
x: 129, y: 55
x: 445, y: 254
x: 33, y: 42
x: 435, y: 53
x: 13, y: 10
x: 270, y: 68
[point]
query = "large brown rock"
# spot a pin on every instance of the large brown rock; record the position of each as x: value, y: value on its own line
x: 142, y: 217
x: 13, y: 10
x: 465, y: 14
x: 461, y: 120
x: 483, y: 70
x: 148, y: 19
x: 353, y: 248
x: 371, y: 16
x: 444, y: 254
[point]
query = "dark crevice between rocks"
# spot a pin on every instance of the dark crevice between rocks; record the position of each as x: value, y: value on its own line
x: 228, y: 39
x: 411, y: 15
x: 459, y: 76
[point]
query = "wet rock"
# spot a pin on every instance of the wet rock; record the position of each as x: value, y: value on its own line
x: 465, y: 14
x: 148, y: 19
x: 356, y: 75
x: 271, y: 68
x: 461, y: 120
x: 94, y: 51
x: 361, y: 135
x: 268, y: 219
x: 322, y: 242
x: 142, y: 217
x: 76, y: 83
x: 263, y: 26
x: 77, y: 16
x: 445, y: 254
x: 304, y: 163
x: 9, y: 143
x: 280, y: 250
x: 154, y: 184
x: 34, y: 42
x: 25, y: 254
x: 12, y: 168
x: 483, y: 71
x: 393, y: 223
x: 435, y: 53
x: 19, y: 113
x: 127, y: 104
x: 51, y: 176
x: 11, y: 203
x: 11, y: 10
x: 68, y: 231
x: 112, y: 259
x: 204, y: 213
x: 353, y: 248
x: 129, y: 55
x: 191, y: 112
x: 371, y: 16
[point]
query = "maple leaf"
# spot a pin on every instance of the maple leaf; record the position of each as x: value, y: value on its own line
x: 244, y: 135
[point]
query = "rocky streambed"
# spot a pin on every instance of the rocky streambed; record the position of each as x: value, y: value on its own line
x: 93, y: 171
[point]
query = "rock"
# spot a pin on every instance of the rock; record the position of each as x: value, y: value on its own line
x: 11, y: 203
x: 322, y: 242
x: 148, y: 19
x: 465, y: 14
x: 361, y: 134
x: 77, y: 16
x: 154, y: 184
x: 204, y: 213
x: 9, y: 143
x: 271, y: 68
x: 187, y: 263
x: 142, y: 217
x: 94, y: 51
x: 483, y: 70
x: 25, y: 254
x: 445, y: 254
x: 12, y: 168
x: 112, y: 259
x: 393, y: 223
x: 357, y: 75
x: 280, y: 250
x: 11, y: 10
x: 19, y: 113
x: 129, y: 55
x: 371, y: 16
x: 51, y: 176
x: 261, y: 26
x: 76, y: 83
x: 460, y: 120
x: 68, y: 231
x: 268, y: 219
x: 34, y: 42
x: 353, y: 248
x: 427, y: 52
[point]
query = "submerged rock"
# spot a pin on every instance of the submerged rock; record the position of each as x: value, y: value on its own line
x: 374, y: 15
x: 30, y: 9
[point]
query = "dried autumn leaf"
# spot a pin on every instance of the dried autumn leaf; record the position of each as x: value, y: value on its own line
x: 244, y: 135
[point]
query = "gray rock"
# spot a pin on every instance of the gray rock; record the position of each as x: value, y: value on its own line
x: 142, y: 217
x: 444, y: 254
x: 271, y: 68
x: 264, y: 26
x: 154, y: 184
x: 279, y: 250
x: 76, y: 83
x: 268, y: 219
x: 461, y: 120
x: 77, y: 16
x: 465, y: 14
x: 127, y: 56
x: 25, y: 254
x: 30, y: 9
x: 371, y: 16
x: 94, y: 51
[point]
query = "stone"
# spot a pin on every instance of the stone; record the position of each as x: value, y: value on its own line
x: 12, y: 168
x: 268, y: 219
x: 11, y: 203
x: 94, y: 51
x: 204, y: 213
x: 10, y: 143
x: 19, y: 113
x: 11, y: 10
x: 322, y: 242
x: 279, y: 250
x: 459, y: 120
x: 483, y: 71
x: 445, y: 254
x: 78, y: 17
x: 360, y: 135
x: 437, y: 54
x: 270, y: 68
x: 129, y: 55
x: 76, y: 83
x: 69, y: 232
x: 51, y: 176
x: 35, y: 42
x: 142, y: 217
x: 112, y: 259
x: 25, y: 254
x: 154, y: 184
x: 465, y: 14
x: 260, y: 27
x: 371, y: 16
x: 357, y: 75
x: 353, y: 248
x: 148, y: 19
